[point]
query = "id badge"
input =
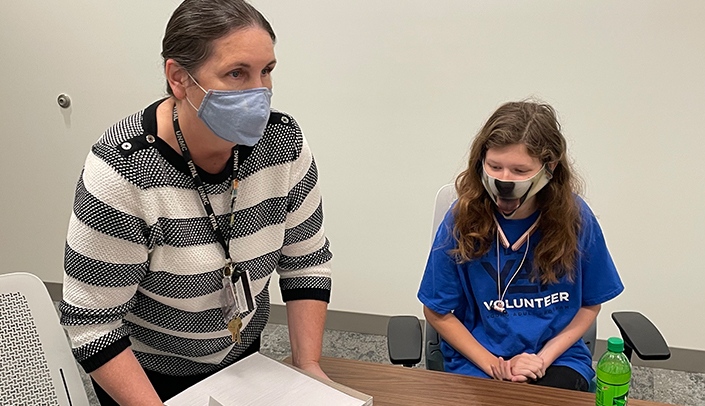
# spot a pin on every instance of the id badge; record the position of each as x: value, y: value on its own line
x: 243, y: 294
x: 228, y: 300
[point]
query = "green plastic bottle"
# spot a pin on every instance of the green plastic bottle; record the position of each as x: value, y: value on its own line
x: 614, y: 372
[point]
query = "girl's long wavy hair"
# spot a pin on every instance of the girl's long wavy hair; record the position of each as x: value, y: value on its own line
x: 535, y: 125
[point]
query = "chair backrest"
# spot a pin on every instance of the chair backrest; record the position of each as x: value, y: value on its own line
x: 445, y: 197
x: 36, y: 364
x: 432, y: 344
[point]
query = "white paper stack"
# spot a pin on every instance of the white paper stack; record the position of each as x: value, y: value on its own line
x: 262, y: 381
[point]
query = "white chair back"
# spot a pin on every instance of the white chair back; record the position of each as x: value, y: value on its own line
x: 36, y: 364
x: 432, y: 346
x: 444, y: 199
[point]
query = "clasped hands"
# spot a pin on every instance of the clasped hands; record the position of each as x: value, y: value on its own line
x: 520, y: 368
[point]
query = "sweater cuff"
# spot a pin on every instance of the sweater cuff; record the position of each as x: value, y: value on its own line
x: 306, y: 293
x: 98, y: 360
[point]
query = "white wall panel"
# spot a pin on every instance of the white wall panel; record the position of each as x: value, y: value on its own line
x: 390, y: 94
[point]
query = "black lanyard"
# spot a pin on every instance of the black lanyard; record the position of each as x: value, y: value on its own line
x: 234, y: 272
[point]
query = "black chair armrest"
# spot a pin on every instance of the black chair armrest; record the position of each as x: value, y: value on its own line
x: 404, y: 340
x: 434, y: 356
x: 641, y: 335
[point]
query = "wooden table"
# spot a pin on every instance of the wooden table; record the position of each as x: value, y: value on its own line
x: 396, y: 385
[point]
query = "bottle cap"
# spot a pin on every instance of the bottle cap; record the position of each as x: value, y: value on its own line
x: 615, y: 344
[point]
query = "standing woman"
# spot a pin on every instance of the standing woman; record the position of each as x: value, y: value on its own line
x: 183, y: 212
x: 519, y: 267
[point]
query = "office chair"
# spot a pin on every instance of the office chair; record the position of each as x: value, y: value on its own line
x: 36, y: 364
x: 404, y: 333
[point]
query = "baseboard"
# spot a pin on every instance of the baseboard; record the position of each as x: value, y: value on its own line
x: 340, y: 320
x: 682, y: 359
x: 55, y: 290
x: 336, y: 320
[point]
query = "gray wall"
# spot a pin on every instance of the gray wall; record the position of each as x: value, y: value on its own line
x: 390, y: 94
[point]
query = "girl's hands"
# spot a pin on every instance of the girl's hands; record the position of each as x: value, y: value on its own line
x: 502, y: 371
x: 529, y: 366
x: 520, y: 368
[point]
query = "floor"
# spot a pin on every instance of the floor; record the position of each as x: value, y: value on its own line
x: 675, y: 387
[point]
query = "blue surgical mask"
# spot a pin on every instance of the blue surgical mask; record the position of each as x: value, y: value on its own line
x: 237, y: 116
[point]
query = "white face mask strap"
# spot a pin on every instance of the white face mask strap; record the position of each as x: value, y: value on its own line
x: 199, y: 86
x: 196, y: 82
x: 189, y: 102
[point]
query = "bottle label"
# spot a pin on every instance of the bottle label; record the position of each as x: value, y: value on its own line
x: 611, y: 395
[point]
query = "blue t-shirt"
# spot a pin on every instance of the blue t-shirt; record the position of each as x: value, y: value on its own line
x: 535, y: 312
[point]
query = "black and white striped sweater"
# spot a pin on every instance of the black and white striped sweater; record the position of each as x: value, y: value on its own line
x: 142, y: 264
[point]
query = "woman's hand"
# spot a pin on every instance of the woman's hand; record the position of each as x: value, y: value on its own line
x: 314, y: 368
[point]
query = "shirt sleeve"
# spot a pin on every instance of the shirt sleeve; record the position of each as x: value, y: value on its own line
x: 106, y: 257
x: 600, y: 279
x: 304, y: 266
x: 440, y: 288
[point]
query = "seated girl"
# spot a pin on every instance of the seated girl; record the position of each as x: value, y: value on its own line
x: 519, y: 267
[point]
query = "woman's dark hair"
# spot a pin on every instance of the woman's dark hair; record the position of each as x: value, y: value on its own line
x: 195, y: 24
